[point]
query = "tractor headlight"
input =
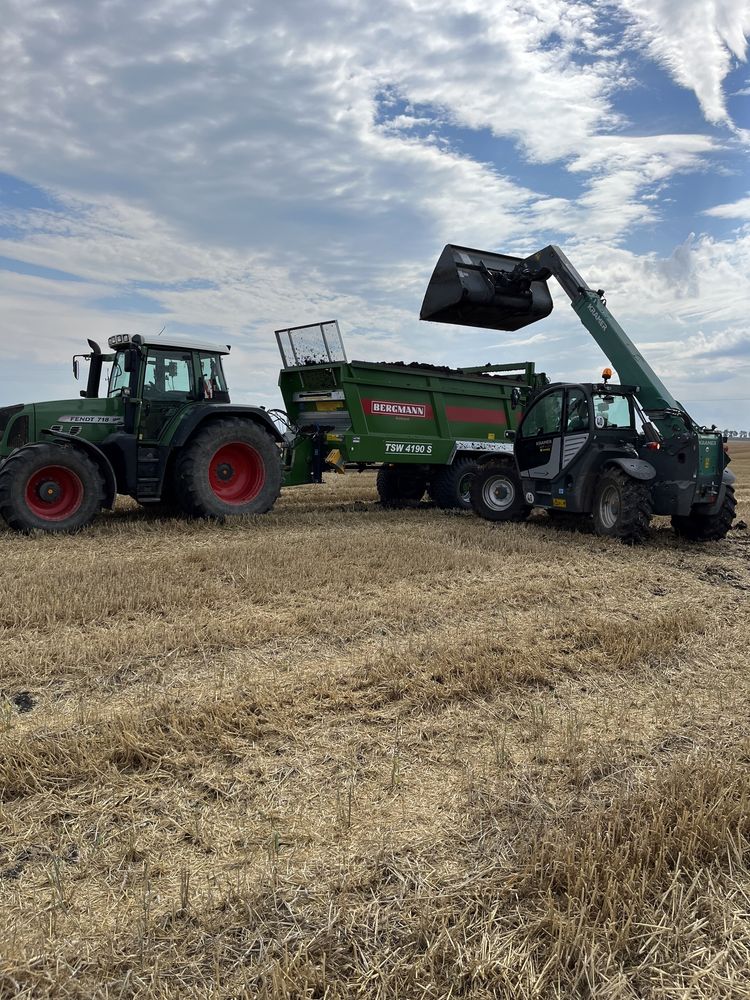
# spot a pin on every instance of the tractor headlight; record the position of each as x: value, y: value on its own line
x: 118, y: 339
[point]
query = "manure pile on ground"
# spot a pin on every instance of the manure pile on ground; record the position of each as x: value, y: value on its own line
x: 340, y: 751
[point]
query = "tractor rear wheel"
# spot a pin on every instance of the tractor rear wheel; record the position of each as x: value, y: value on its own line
x: 451, y: 485
x: 50, y: 487
x: 622, y: 507
x: 230, y: 467
x: 497, y: 494
x: 400, y: 485
x: 707, y: 527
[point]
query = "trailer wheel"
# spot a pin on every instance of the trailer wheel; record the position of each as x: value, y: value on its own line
x: 230, y: 467
x: 399, y: 485
x: 50, y: 487
x: 451, y: 485
x: 707, y: 527
x: 622, y: 507
x: 497, y: 494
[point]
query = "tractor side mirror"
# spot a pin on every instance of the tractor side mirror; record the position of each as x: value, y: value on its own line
x: 515, y: 397
x: 75, y: 369
x: 131, y: 360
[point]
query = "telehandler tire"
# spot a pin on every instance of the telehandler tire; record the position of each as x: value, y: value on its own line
x: 400, y: 485
x: 450, y: 487
x: 622, y: 507
x: 707, y: 527
x: 497, y: 494
x: 50, y: 487
x: 230, y: 467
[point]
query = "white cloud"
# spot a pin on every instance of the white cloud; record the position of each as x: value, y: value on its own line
x: 695, y: 40
x: 734, y: 210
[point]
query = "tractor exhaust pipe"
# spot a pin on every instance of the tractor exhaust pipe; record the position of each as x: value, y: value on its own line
x: 488, y: 290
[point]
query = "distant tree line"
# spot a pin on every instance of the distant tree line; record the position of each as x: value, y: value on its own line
x: 736, y: 434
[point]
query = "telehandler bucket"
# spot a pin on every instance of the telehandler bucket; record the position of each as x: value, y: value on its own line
x: 476, y: 288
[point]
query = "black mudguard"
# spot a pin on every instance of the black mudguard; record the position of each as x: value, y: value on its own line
x: 97, y: 455
x: 636, y: 468
x: 209, y: 411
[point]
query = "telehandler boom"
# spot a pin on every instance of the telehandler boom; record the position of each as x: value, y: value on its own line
x: 618, y: 452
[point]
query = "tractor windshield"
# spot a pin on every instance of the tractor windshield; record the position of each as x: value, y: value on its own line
x: 612, y: 411
x: 118, y: 377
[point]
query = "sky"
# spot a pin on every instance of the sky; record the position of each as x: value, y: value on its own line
x: 222, y: 169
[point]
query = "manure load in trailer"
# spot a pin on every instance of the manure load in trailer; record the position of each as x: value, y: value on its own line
x: 427, y: 425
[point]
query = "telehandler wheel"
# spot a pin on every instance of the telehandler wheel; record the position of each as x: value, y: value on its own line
x: 451, y: 485
x: 622, y: 507
x: 707, y: 527
x: 399, y: 485
x: 230, y: 467
x: 50, y: 487
x: 497, y: 494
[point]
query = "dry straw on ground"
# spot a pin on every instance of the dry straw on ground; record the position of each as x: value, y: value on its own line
x: 339, y: 751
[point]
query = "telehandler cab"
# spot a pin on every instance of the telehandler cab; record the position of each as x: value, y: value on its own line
x: 164, y: 433
x: 620, y: 453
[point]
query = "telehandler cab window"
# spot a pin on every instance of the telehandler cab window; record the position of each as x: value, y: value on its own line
x: 612, y: 411
x: 169, y: 375
x: 578, y: 411
x: 544, y: 417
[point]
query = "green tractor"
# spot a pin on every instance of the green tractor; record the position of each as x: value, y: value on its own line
x: 616, y: 453
x: 164, y: 432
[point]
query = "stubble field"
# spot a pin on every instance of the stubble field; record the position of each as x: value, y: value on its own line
x: 340, y: 751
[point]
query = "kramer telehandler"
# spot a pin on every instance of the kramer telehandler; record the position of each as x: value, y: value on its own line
x: 620, y: 453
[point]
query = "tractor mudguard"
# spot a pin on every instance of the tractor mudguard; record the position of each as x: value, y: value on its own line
x: 200, y: 414
x: 636, y: 468
x: 97, y: 455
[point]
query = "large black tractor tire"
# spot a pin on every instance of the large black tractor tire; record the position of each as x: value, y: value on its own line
x: 623, y: 507
x: 230, y: 467
x: 50, y: 487
x: 497, y: 494
x: 450, y: 487
x: 707, y: 527
x: 400, y: 485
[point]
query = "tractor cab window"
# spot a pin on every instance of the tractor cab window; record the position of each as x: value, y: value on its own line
x: 612, y: 411
x: 544, y: 417
x: 213, y: 383
x: 169, y: 375
x: 578, y: 411
x: 119, y: 379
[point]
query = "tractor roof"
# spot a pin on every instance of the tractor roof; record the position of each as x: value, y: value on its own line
x: 169, y: 341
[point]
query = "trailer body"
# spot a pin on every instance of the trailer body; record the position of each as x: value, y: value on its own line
x: 397, y: 414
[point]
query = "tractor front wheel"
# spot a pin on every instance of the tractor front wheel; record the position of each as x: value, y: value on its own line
x: 707, y: 527
x: 450, y: 487
x: 622, y: 507
x: 230, y: 467
x: 50, y: 487
x: 497, y: 494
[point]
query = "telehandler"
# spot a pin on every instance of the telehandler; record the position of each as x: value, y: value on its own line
x: 619, y: 453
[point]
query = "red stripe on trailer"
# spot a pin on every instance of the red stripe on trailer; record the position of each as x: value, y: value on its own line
x: 471, y: 415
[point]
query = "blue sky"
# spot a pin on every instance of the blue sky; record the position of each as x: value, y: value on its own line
x: 225, y: 168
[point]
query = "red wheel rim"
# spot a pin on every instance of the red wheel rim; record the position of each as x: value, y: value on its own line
x: 236, y: 473
x: 54, y: 493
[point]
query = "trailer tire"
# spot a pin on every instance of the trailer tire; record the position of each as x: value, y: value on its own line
x: 497, y: 494
x: 50, y: 487
x: 229, y: 467
x: 623, y: 507
x: 450, y: 487
x: 400, y: 485
x: 707, y: 527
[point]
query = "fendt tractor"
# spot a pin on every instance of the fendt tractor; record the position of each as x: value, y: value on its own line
x: 618, y: 453
x: 164, y: 432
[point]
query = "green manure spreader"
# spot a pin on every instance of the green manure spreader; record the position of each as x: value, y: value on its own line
x: 427, y: 427
x: 161, y: 428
